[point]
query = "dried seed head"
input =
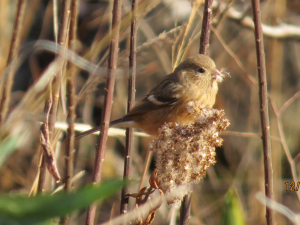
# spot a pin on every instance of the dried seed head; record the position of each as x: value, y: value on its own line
x: 183, y: 153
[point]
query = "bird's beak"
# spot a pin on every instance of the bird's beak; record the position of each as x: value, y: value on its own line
x: 216, y: 74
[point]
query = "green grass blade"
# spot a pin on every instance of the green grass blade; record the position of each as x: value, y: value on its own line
x: 24, y: 210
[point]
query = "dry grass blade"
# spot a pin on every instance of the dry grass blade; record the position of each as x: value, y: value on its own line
x: 168, y: 30
x: 30, y: 102
x: 187, y: 32
x: 14, y: 48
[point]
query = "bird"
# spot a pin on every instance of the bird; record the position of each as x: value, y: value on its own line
x: 195, y: 79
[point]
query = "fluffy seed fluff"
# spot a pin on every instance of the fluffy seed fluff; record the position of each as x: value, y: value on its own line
x: 183, y: 153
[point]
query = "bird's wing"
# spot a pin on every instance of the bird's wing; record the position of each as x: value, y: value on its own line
x: 166, y: 93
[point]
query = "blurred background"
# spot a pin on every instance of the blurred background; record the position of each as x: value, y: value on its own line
x: 168, y: 32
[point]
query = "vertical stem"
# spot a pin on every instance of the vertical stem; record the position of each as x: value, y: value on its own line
x: 42, y: 174
x: 51, y: 109
x: 13, y: 52
x: 205, y: 32
x: 71, y: 101
x: 131, y: 100
x: 264, y: 115
x: 185, y: 210
x: 204, y: 46
x: 110, y: 81
x: 71, y: 104
x: 62, y: 40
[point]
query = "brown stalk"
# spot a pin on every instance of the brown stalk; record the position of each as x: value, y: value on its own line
x: 204, y: 46
x: 264, y: 115
x: 205, y: 32
x: 131, y: 100
x: 71, y: 104
x: 110, y: 81
x: 185, y: 210
x: 51, y: 109
x: 13, y: 52
x: 71, y: 101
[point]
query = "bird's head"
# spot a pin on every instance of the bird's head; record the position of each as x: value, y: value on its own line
x: 200, y: 69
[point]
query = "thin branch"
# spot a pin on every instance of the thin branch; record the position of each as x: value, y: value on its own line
x: 264, y: 115
x: 281, y: 31
x: 161, y: 37
x: 13, y: 52
x: 249, y: 78
x: 146, y: 168
x: 71, y: 104
x: 288, y: 102
x: 204, y: 47
x: 62, y: 40
x: 205, y: 32
x: 71, y: 101
x: 112, y: 64
x: 185, y: 210
x: 284, y: 144
x: 51, y: 109
x: 131, y: 100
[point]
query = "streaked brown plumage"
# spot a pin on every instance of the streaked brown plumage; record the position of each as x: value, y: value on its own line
x: 195, y: 79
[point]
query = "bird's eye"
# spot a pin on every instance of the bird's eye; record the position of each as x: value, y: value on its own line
x: 200, y: 70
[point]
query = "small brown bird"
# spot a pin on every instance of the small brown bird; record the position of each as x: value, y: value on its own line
x: 195, y: 79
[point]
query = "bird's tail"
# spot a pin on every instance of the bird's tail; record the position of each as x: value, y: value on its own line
x: 96, y: 129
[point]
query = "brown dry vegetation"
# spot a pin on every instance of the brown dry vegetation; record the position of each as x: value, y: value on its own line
x: 167, y: 33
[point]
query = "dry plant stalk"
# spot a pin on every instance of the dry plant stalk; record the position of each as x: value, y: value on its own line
x: 112, y: 64
x: 204, y: 47
x: 205, y: 32
x: 142, y: 198
x: 71, y: 104
x: 130, y: 104
x: 13, y: 52
x: 51, y: 109
x: 264, y: 114
x: 183, y: 153
x: 187, y: 32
